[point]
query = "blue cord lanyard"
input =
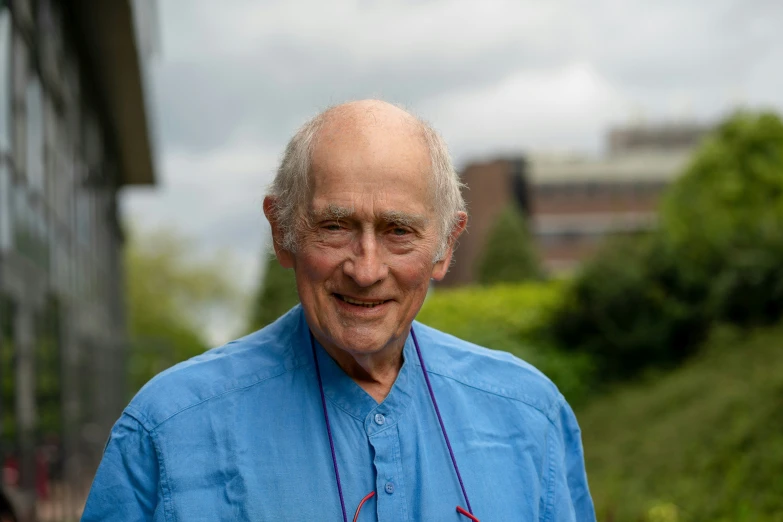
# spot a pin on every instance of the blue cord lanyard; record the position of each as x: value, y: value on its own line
x: 434, y: 404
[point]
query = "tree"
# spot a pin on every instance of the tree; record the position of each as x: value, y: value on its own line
x: 275, y: 296
x: 717, y: 257
x: 170, y: 297
x: 509, y: 254
x: 723, y: 219
x: 629, y: 309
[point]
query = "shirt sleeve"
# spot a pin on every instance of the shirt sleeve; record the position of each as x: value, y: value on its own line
x: 126, y: 486
x: 569, y: 494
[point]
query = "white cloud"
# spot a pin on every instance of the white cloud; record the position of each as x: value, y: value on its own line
x: 216, y: 179
x: 495, y: 76
x: 562, y: 108
x: 215, y: 198
x: 366, y: 30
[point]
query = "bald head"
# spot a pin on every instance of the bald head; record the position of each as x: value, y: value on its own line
x: 366, y: 132
x: 368, y: 115
x: 371, y: 136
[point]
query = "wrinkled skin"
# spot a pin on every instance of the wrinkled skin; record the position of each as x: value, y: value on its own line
x: 371, y: 238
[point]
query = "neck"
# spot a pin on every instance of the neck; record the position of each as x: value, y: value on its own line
x: 375, y: 373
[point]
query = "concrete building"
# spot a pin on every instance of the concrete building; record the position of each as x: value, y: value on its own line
x: 73, y: 131
x: 574, y: 202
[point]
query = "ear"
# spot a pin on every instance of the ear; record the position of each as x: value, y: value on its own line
x: 441, y: 267
x: 284, y: 257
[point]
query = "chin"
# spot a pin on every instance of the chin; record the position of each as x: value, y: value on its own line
x: 362, y: 344
x: 363, y: 340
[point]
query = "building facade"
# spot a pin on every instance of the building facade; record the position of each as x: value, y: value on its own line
x: 73, y: 132
x: 572, y: 202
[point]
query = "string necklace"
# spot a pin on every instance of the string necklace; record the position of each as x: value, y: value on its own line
x: 468, y: 513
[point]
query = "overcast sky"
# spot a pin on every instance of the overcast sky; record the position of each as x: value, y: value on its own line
x: 232, y: 80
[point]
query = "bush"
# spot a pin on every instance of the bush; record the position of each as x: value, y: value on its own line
x: 723, y: 219
x: 509, y: 255
x: 704, y: 442
x: 748, y: 288
x: 511, y: 318
x: 275, y: 296
x: 717, y: 257
x: 629, y: 308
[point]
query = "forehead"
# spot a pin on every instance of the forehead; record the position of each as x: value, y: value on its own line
x: 379, y: 165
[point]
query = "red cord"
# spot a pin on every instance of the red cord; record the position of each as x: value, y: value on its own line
x: 463, y: 512
x: 372, y: 494
x: 365, y: 499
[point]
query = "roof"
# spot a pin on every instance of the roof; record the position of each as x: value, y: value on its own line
x: 652, y: 165
x: 107, y: 32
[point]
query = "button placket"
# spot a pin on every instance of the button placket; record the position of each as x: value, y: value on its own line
x: 391, y: 502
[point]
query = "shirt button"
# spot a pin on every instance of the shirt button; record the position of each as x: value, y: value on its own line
x: 389, y: 488
x: 379, y: 419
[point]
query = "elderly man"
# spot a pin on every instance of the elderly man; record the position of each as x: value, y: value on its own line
x: 345, y: 408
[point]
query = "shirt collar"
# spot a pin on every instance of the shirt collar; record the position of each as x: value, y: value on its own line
x: 342, y: 391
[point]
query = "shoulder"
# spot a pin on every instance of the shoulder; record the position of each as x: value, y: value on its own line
x: 487, y: 370
x: 245, y: 362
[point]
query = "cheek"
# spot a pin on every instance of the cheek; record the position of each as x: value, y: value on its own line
x: 316, y: 266
x: 414, y: 273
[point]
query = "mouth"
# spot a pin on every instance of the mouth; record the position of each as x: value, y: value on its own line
x: 364, y: 303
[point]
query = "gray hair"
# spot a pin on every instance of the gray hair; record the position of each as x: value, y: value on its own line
x: 291, y: 186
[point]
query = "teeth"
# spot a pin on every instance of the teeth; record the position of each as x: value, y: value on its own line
x: 360, y: 303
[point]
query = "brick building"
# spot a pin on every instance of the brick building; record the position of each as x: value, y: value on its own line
x: 573, y: 202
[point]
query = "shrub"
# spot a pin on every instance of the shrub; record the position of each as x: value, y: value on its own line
x: 717, y: 257
x: 511, y: 318
x: 630, y: 308
x: 509, y: 255
x: 276, y: 295
x: 723, y: 219
x: 704, y: 441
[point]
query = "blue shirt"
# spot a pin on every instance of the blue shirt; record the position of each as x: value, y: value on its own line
x: 238, y: 433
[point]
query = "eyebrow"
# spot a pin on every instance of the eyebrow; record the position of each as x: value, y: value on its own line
x: 390, y: 216
x: 332, y: 212
x: 404, y: 218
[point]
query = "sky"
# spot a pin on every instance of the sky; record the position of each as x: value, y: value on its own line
x: 230, y: 82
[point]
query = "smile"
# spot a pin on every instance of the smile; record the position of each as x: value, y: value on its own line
x: 356, y: 302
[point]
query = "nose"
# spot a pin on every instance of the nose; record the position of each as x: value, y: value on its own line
x: 366, y: 265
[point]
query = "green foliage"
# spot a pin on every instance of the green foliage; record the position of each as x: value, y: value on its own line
x: 509, y: 255
x: 48, y: 385
x: 724, y: 220
x: 8, y: 433
x: 718, y: 256
x: 702, y: 443
x: 510, y: 318
x: 276, y: 295
x: 170, y: 295
x: 732, y: 188
x: 630, y: 308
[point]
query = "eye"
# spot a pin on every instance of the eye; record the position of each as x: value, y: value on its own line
x: 332, y: 226
x: 400, y: 231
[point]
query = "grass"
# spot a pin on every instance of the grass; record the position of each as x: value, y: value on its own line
x: 701, y: 443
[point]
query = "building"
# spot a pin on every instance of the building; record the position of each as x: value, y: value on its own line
x: 574, y: 202
x: 73, y: 132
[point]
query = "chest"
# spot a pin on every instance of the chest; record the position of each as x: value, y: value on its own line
x: 241, y: 466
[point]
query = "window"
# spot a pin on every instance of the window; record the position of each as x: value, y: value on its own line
x: 5, y: 129
x: 20, y: 218
x: 20, y: 70
x: 5, y: 206
x: 5, y: 80
x: 35, y: 134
